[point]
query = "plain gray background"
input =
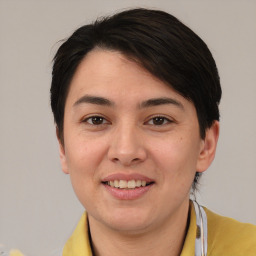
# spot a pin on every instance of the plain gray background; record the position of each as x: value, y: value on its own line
x: 38, y: 209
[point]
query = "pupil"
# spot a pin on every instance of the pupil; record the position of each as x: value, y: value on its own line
x: 158, y: 120
x: 97, y: 120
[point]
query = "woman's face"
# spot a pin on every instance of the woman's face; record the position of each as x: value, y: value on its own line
x: 123, y: 128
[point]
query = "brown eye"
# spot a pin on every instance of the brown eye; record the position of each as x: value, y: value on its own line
x: 96, y: 120
x: 159, y: 120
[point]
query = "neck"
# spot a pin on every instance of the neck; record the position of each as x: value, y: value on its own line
x: 166, y: 238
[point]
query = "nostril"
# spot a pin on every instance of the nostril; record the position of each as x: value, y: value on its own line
x: 133, y: 160
x: 127, y: 157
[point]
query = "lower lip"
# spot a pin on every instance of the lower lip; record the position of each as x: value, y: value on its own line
x: 128, y: 194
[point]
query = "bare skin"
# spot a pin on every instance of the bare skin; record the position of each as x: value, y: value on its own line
x: 122, y: 122
x: 166, y: 239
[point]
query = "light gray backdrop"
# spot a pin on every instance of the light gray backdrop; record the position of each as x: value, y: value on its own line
x: 38, y: 209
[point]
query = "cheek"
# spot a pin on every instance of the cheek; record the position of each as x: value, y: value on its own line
x: 83, y: 153
x: 83, y: 159
x: 176, y: 158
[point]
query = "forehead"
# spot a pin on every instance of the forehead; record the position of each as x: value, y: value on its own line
x: 109, y: 79
x: 113, y: 74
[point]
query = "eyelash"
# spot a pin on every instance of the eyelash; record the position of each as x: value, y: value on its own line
x: 86, y: 120
x: 163, y: 120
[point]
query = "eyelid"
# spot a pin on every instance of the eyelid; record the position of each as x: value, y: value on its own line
x: 86, y: 118
x: 168, y: 119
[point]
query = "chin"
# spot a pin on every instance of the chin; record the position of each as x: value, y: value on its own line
x: 128, y: 220
x: 129, y: 227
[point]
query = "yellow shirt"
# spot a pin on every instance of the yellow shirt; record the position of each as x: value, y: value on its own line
x: 226, y: 237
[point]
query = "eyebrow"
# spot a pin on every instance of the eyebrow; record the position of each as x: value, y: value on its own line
x: 145, y: 104
x: 94, y: 100
x: 161, y: 101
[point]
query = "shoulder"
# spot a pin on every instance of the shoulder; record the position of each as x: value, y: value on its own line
x: 12, y: 252
x: 226, y: 235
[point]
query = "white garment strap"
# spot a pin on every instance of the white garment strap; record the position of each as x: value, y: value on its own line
x: 201, y: 230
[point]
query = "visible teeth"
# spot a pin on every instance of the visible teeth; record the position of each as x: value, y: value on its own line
x: 122, y: 184
x: 116, y: 184
x: 138, y: 183
x: 131, y: 184
x: 143, y: 183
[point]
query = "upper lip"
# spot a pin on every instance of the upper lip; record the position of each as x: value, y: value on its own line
x: 127, y: 177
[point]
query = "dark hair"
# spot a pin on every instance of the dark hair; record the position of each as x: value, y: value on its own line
x: 156, y: 40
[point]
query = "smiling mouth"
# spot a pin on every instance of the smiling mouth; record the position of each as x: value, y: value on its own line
x: 127, y: 185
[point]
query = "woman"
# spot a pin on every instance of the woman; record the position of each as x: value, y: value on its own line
x: 135, y: 100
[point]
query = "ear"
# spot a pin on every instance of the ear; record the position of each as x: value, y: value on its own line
x: 208, y: 148
x: 63, y: 160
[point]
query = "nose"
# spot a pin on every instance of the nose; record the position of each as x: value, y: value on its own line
x: 127, y: 146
